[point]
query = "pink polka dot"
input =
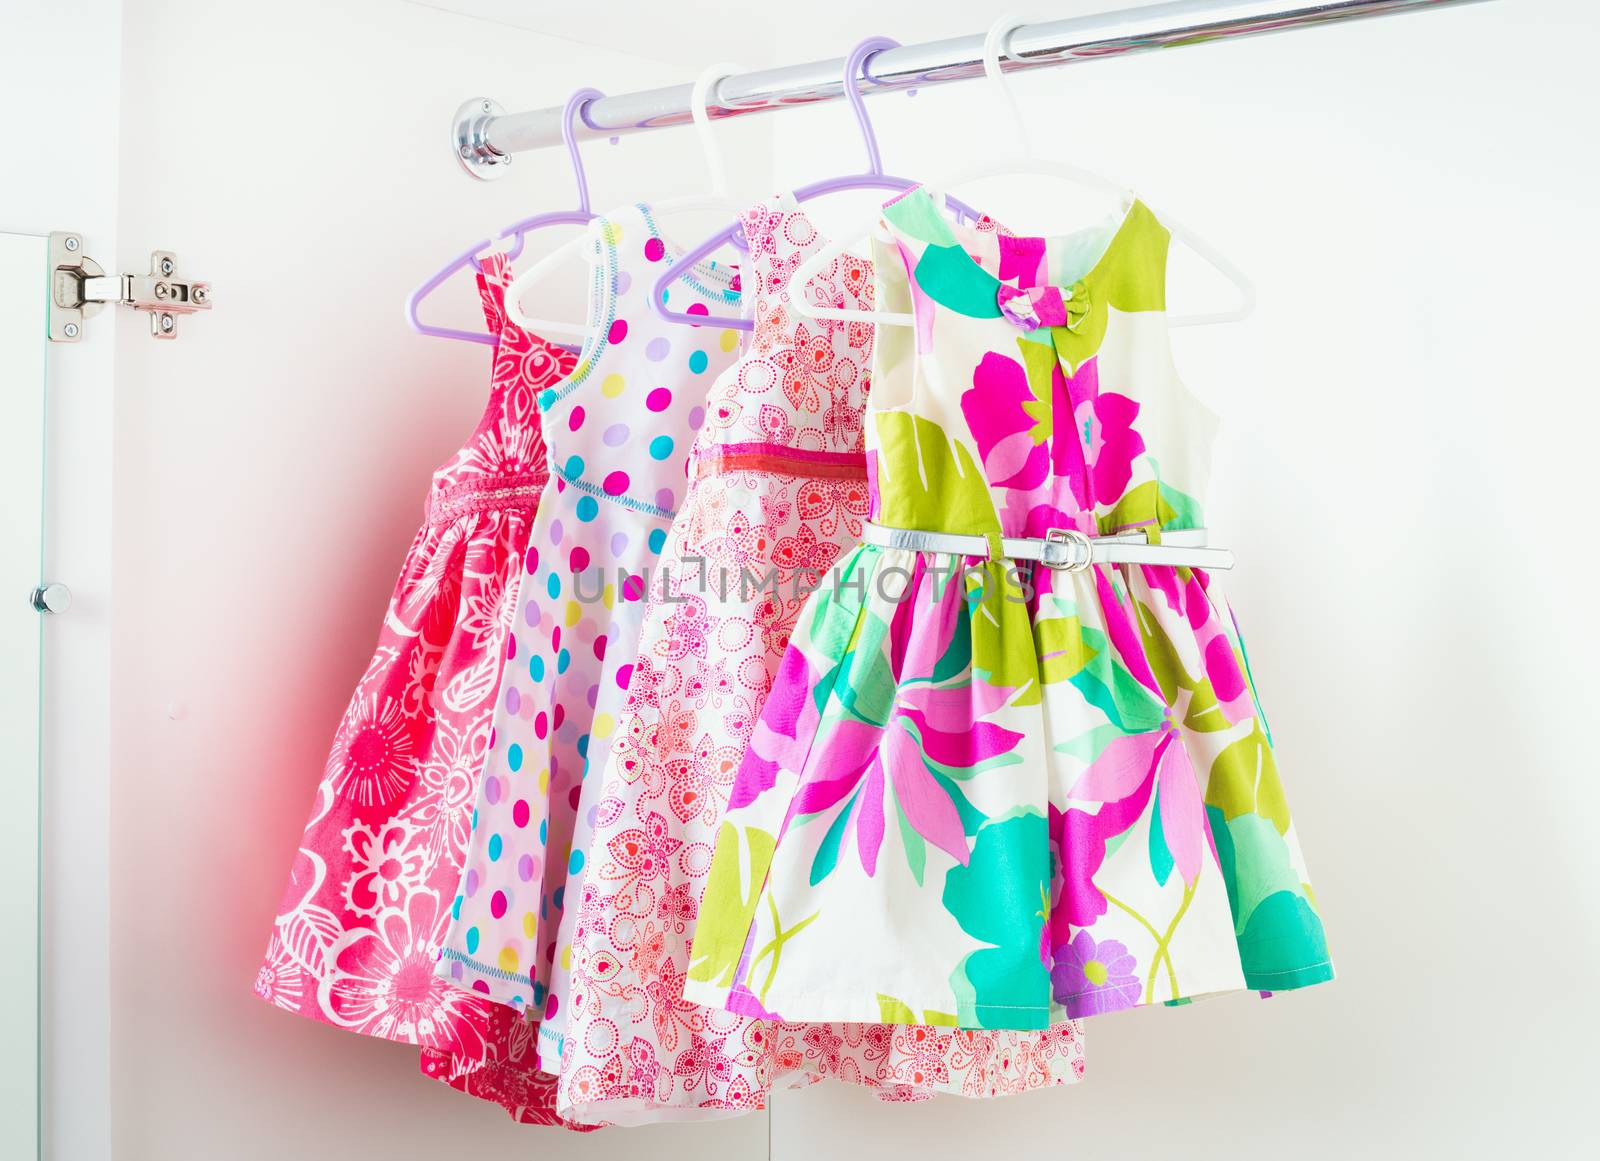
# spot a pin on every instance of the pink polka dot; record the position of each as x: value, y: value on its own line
x: 497, y: 904
x: 618, y: 331
x: 653, y: 249
x: 560, y: 715
x: 659, y: 399
x: 551, y: 1006
x: 511, y: 647
x: 541, y: 725
x: 573, y: 795
x: 555, y: 639
x: 624, y: 675
x: 633, y: 588
x: 481, y: 985
x: 616, y: 483
x: 697, y: 308
x: 520, y: 813
x: 531, y: 561
x: 575, y: 420
x: 579, y: 560
x: 599, y: 648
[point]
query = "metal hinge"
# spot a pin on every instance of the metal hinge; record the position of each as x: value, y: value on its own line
x: 79, y: 289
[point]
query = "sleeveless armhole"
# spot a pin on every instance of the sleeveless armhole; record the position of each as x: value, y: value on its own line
x: 894, y: 347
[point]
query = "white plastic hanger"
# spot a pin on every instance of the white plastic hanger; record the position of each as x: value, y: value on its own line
x: 587, y: 244
x: 1025, y: 164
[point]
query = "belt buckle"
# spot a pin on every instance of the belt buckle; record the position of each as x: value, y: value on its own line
x: 1069, y: 536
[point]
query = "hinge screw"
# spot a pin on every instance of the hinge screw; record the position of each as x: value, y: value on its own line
x: 198, y: 293
x: 161, y: 290
x: 70, y: 330
x: 71, y: 243
x: 167, y: 267
x: 488, y: 107
x: 166, y: 322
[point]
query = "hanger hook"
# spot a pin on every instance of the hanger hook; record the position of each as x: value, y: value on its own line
x: 709, y: 80
x: 576, y: 104
x: 997, y: 44
x: 855, y: 66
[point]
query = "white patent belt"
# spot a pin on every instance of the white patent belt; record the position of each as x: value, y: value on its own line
x: 1063, y: 548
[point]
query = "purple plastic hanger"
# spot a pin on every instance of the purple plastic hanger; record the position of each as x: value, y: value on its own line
x: 874, y: 178
x: 518, y: 230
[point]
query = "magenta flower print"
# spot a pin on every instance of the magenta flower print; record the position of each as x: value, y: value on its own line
x: 996, y: 410
x: 1091, y: 978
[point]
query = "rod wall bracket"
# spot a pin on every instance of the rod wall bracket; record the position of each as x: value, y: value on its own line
x: 469, y: 139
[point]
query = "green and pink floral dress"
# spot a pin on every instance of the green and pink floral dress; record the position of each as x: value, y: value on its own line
x: 984, y: 792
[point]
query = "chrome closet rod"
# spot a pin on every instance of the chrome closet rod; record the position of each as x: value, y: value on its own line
x: 485, y: 137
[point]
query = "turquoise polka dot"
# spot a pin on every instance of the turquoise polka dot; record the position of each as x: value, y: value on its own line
x: 661, y: 447
x: 563, y: 659
x: 544, y: 836
x: 472, y: 941
x: 495, y: 847
x: 514, y: 757
x: 658, y: 539
x: 536, y: 667
x: 547, y: 400
x: 575, y: 864
x: 455, y: 908
x: 553, y: 586
x: 583, y: 747
x: 588, y: 509
x: 474, y: 818
x: 574, y: 466
x: 698, y: 361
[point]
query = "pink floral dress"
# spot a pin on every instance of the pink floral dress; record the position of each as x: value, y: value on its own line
x: 778, y: 493
x: 368, y: 900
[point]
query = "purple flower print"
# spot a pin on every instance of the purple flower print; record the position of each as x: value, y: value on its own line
x: 1091, y: 978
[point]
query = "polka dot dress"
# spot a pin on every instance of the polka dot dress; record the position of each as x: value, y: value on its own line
x: 619, y: 432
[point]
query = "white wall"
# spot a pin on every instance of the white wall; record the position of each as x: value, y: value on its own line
x: 1405, y: 476
x: 1409, y: 424
x: 60, y: 87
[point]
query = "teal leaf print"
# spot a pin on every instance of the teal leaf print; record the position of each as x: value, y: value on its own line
x: 953, y: 280
x: 1161, y: 861
x: 915, y: 847
x: 1283, y: 945
x: 827, y: 856
x: 1000, y: 898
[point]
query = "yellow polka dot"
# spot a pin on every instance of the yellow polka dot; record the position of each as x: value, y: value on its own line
x: 729, y: 340
x: 609, y: 597
x: 544, y: 781
x: 574, y: 613
x: 611, y: 386
x: 530, y: 924
x: 508, y: 959
x: 566, y: 958
x: 604, y: 723
x: 611, y: 232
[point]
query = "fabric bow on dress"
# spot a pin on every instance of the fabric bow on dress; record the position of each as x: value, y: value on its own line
x: 1043, y: 306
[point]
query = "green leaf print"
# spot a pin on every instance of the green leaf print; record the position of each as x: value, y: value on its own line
x: 1141, y: 507
x: 730, y: 902
x: 927, y: 480
x: 1000, y: 898
x: 1244, y: 780
x: 1205, y: 711
x: 1003, y: 650
x: 1110, y: 688
x: 1061, y: 648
